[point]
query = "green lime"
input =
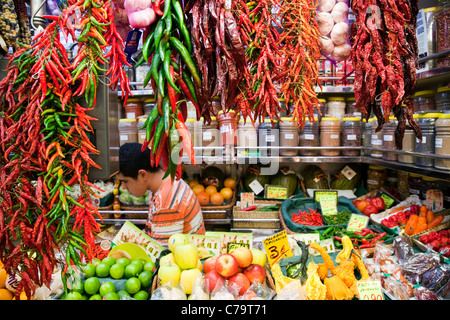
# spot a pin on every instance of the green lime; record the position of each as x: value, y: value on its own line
x: 109, y: 260
x: 92, y: 285
x: 89, y: 270
x: 74, y: 296
x: 141, y: 295
x: 133, y: 285
x: 123, y: 261
x: 146, y: 278
x: 117, y: 271
x: 96, y: 297
x: 84, y: 297
x: 78, y: 286
x: 102, y: 270
x: 139, y: 263
x: 123, y: 293
x: 131, y: 270
x: 111, y: 296
x: 150, y: 266
x: 107, y: 287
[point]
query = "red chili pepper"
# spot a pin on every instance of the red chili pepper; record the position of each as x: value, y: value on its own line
x: 171, y: 91
x: 185, y: 140
x: 157, y: 7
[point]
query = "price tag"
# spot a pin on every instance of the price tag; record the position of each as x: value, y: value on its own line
x: 388, y: 201
x: 357, y: 222
x: 319, y: 193
x: 369, y: 290
x: 247, y: 199
x: 275, y: 192
x: 256, y: 186
x: 231, y: 246
x: 277, y: 247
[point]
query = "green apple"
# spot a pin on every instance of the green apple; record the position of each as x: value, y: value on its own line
x: 176, y: 240
x: 169, y: 273
x: 186, y: 256
x: 187, y: 279
x: 259, y: 257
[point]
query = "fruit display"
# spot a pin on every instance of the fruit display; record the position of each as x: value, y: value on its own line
x: 112, y: 279
x: 233, y: 272
x: 213, y: 190
x: 370, y: 205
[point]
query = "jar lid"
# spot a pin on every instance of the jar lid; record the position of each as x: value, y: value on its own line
x: 142, y: 119
x: 148, y: 100
x: 190, y: 120
x: 444, y: 116
x: 415, y: 175
x: 351, y: 99
x: 375, y: 167
x: 443, y: 89
x: 133, y: 100
x: 330, y: 119
x: 268, y: 120
x: 350, y: 119
x: 430, y: 9
x: 425, y: 178
x: 432, y: 115
x: 128, y: 120
x: 286, y: 119
x: 336, y: 99
x: 373, y: 119
x: 423, y: 93
x: 323, y: 100
x: 230, y: 111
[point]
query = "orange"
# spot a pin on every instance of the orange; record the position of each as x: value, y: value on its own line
x: 203, y: 198
x: 210, y: 190
x: 216, y: 199
x: 193, y: 183
x: 6, y: 294
x: 226, y: 193
x: 198, y: 188
x: 3, y: 276
x: 229, y: 183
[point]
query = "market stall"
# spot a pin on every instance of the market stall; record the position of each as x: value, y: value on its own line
x: 313, y: 136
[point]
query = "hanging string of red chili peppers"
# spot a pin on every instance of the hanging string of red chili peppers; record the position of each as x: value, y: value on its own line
x: 44, y: 128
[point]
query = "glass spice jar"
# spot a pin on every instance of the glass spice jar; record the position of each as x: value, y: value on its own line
x: 127, y: 131
x: 288, y: 137
x: 442, y: 141
x: 268, y: 136
x: 415, y: 184
x: 210, y: 137
x: 376, y: 176
x: 426, y: 124
x: 443, y: 31
x: 388, y: 133
x: 424, y: 101
x: 149, y: 104
x: 366, y: 137
x: 309, y: 137
x: 330, y: 135
x: 350, y: 135
x: 442, y: 99
x: 142, y: 133
x: 336, y: 107
x: 376, y: 138
x: 133, y: 108
x: 247, y: 137
x: 228, y: 124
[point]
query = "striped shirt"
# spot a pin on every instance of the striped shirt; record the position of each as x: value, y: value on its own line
x: 174, y: 208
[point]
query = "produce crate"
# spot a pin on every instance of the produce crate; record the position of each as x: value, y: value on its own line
x: 290, y: 206
x: 422, y: 246
x: 227, y: 205
x: 377, y: 218
x: 269, y: 281
x: 255, y: 219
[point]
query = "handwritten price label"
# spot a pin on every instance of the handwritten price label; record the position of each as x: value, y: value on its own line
x: 276, y: 192
x: 369, y: 290
x: 277, y: 247
x: 357, y: 222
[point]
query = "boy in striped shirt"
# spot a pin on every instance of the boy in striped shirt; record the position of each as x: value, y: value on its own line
x: 174, y: 208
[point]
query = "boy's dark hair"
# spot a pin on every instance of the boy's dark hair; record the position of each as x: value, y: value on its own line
x: 132, y: 159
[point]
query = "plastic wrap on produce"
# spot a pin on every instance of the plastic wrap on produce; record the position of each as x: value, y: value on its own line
x: 402, y: 248
x: 334, y: 28
x: 417, y: 265
x: 436, y: 279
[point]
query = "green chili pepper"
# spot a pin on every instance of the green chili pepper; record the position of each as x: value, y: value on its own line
x: 159, y: 32
x: 163, y: 46
x: 161, y: 81
x: 190, y: 85
x: 179, y: 18
x: 147, y: 45
x: 185, y: 55
x: 166, y: 114
x: 158, y: 132
x: 155, y: 66
x: 167, y: 70
x: 168, y: 21
x: 166, y: 9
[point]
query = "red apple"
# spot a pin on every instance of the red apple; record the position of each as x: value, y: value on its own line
x: 209, y: 264
x: 255, y: 273
x: 238, y: 284
x: 226, y: 265
x: 213, y: 280
x: 243, y: 255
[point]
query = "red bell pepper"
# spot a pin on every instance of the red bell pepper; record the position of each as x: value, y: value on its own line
x: 370, y: 209
x: 378, y: 203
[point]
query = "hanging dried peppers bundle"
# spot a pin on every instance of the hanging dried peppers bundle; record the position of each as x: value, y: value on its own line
x: 300, y: 50
x: 44, y: 131
x: 174, y: 78
x: 384, y: 54
x: 258, y: 97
